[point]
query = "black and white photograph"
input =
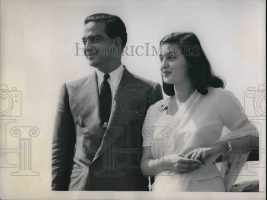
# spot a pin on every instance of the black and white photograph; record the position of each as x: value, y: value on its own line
x: 133, y: 99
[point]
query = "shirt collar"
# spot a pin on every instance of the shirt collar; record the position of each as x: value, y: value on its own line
x: 114, y: 76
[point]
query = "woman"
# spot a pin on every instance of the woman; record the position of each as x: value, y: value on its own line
x: 182, y: 134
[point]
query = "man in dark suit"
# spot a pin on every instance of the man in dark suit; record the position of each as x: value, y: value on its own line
x: 97, y: 141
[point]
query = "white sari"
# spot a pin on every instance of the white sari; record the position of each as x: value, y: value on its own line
x: 197, y: 123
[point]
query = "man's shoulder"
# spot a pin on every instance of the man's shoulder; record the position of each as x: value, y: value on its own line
x: 143, y: 81
x: 81, y: 81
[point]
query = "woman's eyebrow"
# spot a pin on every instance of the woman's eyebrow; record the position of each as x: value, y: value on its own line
x: 170, y: 53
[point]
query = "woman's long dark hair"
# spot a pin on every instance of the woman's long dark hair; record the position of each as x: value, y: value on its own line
x: 200, y: 72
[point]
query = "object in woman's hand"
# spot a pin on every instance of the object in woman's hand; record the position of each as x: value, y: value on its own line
x: 247, y: 186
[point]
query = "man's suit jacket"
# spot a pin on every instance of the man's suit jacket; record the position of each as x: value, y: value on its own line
x: 88, y: 156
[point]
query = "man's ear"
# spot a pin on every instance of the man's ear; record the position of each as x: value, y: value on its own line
x: 118, y: 41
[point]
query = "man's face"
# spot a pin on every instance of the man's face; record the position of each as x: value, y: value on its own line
x: 97, y: 45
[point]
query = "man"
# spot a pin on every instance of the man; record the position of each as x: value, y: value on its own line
x: 97, y: 142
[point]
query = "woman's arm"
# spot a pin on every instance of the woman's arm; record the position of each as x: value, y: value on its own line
x: 240, y: 145
x: 150, y: 166
x: 243, y: 137
x: 174, y: 162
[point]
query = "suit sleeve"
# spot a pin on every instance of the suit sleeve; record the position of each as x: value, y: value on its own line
x: 148, y: 128
x: 63, y: 143
x: 158, y: 93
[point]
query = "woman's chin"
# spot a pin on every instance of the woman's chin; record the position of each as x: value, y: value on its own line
x: 168, y: 81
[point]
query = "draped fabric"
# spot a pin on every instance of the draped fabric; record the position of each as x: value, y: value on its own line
x: 197, y: 123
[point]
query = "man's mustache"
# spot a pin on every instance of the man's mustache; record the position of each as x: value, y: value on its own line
x: 91, y: 51
x: 98, y: 51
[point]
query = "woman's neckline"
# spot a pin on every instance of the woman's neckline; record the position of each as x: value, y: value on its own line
x: 170, y: 101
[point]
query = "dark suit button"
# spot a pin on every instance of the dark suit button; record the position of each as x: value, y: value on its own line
x: 84, y: 147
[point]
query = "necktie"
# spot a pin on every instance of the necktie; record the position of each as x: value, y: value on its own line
x: 105, y: 99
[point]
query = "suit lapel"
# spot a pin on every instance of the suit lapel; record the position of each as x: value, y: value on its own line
x: 87, y: 98
x: 125, y: 105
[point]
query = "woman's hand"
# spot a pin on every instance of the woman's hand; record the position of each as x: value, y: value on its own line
x: 202, y: 154
x: 179, y: 164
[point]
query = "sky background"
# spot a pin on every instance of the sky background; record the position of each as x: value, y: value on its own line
x: 38, y: 55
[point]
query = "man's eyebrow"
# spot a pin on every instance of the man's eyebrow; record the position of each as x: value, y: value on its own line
x: 91, y: 36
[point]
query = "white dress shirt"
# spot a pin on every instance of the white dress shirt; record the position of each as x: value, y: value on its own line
x: 113, y: 80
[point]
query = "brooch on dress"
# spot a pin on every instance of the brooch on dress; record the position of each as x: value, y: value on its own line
x: 162, y: 107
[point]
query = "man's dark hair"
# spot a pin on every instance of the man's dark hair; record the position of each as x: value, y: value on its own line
x: 200, y: 72
x: 114, y: 26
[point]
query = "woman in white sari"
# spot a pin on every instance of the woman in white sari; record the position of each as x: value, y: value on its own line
x: 182, y: 135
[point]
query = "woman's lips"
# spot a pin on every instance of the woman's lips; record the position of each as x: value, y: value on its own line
x: 166, y: 73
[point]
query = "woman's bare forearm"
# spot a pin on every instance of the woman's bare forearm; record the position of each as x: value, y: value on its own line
x: 239, y: 146
x: 152, y: 167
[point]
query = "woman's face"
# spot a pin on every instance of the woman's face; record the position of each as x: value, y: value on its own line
x: 174, y: 67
